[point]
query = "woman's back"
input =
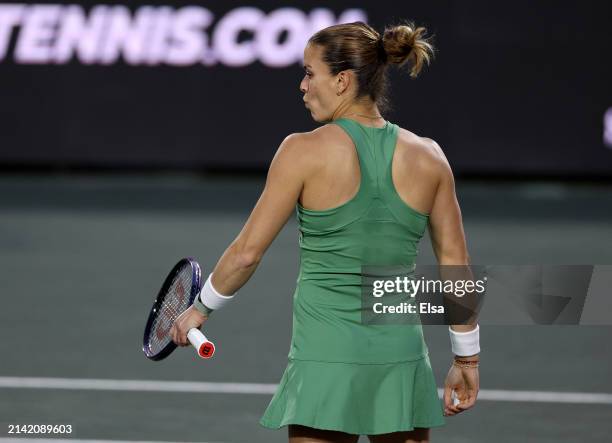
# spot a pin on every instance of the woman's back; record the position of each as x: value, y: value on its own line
x: 336, y: 173
x: 372, y: 225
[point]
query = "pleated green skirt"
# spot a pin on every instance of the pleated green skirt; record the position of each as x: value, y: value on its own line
x: 363, y: 399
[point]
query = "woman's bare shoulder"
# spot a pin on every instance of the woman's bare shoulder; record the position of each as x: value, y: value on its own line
x: 423, y: 152
x: 319, y: 143
x: 315, y: 137
x: 309, y: 151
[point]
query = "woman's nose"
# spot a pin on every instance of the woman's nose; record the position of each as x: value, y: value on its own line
x: 303, y: 87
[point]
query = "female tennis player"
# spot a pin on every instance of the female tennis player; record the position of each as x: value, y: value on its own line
x: 364, y: 191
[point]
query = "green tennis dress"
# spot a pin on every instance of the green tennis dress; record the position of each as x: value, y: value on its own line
x: 344, y: 374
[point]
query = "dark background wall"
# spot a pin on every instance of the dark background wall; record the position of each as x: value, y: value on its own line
x: 517, y: 88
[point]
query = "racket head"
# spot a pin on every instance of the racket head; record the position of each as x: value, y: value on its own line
x: 176, y: 295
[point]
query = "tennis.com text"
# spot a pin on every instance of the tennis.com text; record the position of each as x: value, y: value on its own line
x: 160, y: 35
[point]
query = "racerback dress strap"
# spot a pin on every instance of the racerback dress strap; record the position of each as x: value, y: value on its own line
x: 375, y: 149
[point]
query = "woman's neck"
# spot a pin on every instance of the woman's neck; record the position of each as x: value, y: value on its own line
x: 368, y: 114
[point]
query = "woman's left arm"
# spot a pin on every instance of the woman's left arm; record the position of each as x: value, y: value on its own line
x: 284, y: 183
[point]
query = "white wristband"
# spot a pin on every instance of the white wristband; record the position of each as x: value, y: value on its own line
x: 211, y: 298
x: 464, y: 344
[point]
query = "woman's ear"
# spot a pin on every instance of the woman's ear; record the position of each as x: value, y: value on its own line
x: 343, y: 80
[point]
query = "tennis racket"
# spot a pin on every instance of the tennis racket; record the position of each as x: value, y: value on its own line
x: 176, y: 295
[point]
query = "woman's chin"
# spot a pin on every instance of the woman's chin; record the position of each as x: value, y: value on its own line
x: 316, y: 117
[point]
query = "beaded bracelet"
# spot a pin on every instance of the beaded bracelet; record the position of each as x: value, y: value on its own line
x: 466, y: 362
x: 465, y: 365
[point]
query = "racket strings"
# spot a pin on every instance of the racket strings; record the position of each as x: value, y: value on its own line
x: 174, y: 304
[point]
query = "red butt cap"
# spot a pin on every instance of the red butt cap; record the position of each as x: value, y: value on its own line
x: 207, y: 350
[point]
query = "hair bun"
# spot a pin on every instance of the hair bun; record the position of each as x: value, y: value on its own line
x: 402, y: 43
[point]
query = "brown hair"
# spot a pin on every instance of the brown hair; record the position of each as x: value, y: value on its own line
x: 359, y: 47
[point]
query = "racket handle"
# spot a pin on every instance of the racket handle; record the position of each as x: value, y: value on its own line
x: 205, y: 348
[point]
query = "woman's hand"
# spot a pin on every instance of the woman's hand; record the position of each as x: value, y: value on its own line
x: 191, y: 318
x: 465, y: 382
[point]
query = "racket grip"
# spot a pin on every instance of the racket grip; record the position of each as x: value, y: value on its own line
x: 205, y: 348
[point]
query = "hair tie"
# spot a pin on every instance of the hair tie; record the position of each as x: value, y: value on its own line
x: 380, y: 47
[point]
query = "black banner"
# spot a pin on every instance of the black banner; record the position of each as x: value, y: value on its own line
x: 515, y: 88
